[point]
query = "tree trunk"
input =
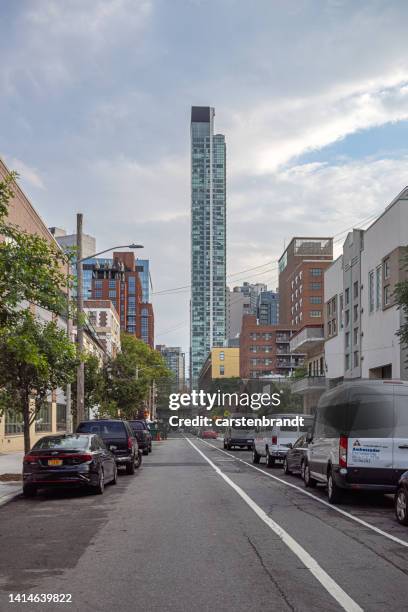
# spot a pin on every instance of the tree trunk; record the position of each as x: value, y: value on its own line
x: 26, y: 421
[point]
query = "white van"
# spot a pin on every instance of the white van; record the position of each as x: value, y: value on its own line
x: 273, y: 442
x: 359, y: 439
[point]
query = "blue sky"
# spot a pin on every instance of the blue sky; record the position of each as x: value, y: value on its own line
x: 312, y: 96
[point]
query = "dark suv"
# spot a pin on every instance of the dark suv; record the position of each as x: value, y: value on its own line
x: 142, y: 432
x: 119, y: 438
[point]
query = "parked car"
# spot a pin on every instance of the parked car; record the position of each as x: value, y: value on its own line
x: 401, y: 500
x: 144, y: 437
x: 208, y: 434
x: 273, y: 442
x: 239, y: 436
x: 359, y: 439
x: 68, y: 460
x: 119, y: 438
x: 296, y: 456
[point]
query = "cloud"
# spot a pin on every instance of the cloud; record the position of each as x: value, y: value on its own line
x: 28, y: 175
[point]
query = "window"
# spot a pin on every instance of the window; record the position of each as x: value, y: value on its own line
x: 61, y: 417
x: 387, y: 268
x: 346, y: 317
x: 387, y: 295
x: 315, y: 314
x: 43, y: 420
x: 222, y: 356
x: 356, y: 359
x: 371, y: 291
x: 347, y: 362
x: 98, y: 284
x: 355, y: 289
x: 330, y: 328
x: 315, y: 286
x: 222, y: 370
x: 112, y: 294
x: 315, y: 299
x: 112, y: 284
x: 378, y: 288
x: 98, y: 294
x: 315, y: 271
x: 347, y: 340
x: 347, y: 296
x: 355, y: 312
x: 355, y: 335
x: 13, y: 422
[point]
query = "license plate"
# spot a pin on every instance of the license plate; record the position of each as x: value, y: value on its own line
x: 54, y: 461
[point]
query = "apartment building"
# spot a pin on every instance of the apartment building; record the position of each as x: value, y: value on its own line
x: 265, y: 350
x: 103, y: 319
x: 362, y: 318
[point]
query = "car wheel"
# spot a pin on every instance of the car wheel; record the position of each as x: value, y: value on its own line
x: 138, y: 461
x: 130, y: 467
x: 401, y: 506
x: 270, y: 461
x: 286, y: 469
x: 255, y: 456
x: 224, y: 445
x: 309, y: 481
x: 29, y: 491
x: 115, y: 475
x: 145, y: 451
x: 249, y: 447
x: 333, y: 491
x: 150, y: 448
x: 100, y: 487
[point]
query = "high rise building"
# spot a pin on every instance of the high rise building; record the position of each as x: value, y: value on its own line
x: 268, y: 308
x: 142, y: 266
x: 208, y: 238
x: 252, y: 292
x: 175, y: 361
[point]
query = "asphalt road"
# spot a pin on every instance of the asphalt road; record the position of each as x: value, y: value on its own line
x: 200, y: 529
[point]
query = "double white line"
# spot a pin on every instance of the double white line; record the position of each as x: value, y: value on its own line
x: 308, y: 561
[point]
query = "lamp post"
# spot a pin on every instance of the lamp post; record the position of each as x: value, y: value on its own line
x: 80, y: 311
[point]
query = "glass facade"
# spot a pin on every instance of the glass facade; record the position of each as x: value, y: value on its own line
x: 268, y: 308
x: 142, y: 266
x: 208, y: 238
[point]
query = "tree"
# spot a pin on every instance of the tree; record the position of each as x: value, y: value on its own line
x: 35, y: 359
x: 32, y: 270
x: 401, y: 298
x: 129, y: 376
x: 94, y: 385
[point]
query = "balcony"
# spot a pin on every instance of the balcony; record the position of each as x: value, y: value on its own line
x: 307, y: 339
x: 308, y: 384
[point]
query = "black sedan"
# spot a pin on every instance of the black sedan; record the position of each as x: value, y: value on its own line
x: 295, y: 457
x: 68, y: 460
x: 401, y: 500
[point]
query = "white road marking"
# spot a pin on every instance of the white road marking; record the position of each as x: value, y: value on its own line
x: 321, y: 501
x: 308, y: 561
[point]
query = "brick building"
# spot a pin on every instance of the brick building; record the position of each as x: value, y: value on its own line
x: 265, y: 350
x: 118, y: 281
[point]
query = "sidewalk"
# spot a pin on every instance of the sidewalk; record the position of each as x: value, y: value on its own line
x: 11, y: 465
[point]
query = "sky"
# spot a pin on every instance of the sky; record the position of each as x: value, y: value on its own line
x: 312, y: 96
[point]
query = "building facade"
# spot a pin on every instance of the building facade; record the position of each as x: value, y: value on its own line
x: 176, y: 362
x: 104, y: 320
x: 238, y: 304
x: 362, y: 318
x: 268, y: 308
x: 142, y: 267
x: 208, y: 238
x: 251, y: 291
x: 220, y: 363
x: 265, y: 350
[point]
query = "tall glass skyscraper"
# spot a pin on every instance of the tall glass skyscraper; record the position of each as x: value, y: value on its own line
x: 208, y: 238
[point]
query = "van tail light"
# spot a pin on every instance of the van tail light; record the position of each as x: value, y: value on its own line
x: 343, y: 452
x: 130, y: 443
x: 30, y: 459
x: 274, y: 439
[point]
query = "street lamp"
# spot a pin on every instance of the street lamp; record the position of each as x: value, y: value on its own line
x: 80, y: 310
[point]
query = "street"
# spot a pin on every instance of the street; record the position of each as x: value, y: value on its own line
x: 178, y: 536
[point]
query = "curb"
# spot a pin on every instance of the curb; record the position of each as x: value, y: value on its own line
x: 7, y: 498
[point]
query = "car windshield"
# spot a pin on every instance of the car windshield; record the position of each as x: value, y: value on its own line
x: 103, y: 428
x: 63, y: 443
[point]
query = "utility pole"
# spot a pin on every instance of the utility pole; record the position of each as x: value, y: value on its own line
x: 80, y: 329
x: 69, y: 425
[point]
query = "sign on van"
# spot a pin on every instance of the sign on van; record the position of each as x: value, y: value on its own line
x: 369, y: 452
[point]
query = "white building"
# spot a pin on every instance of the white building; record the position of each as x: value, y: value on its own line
x: 361, y: 317
x: 104, y: 321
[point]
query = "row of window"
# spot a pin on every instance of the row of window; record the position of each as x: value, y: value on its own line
x: 14, y: 420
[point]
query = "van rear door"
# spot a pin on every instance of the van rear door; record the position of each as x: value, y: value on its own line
x: 370, y: 435
x: 401, y: 434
